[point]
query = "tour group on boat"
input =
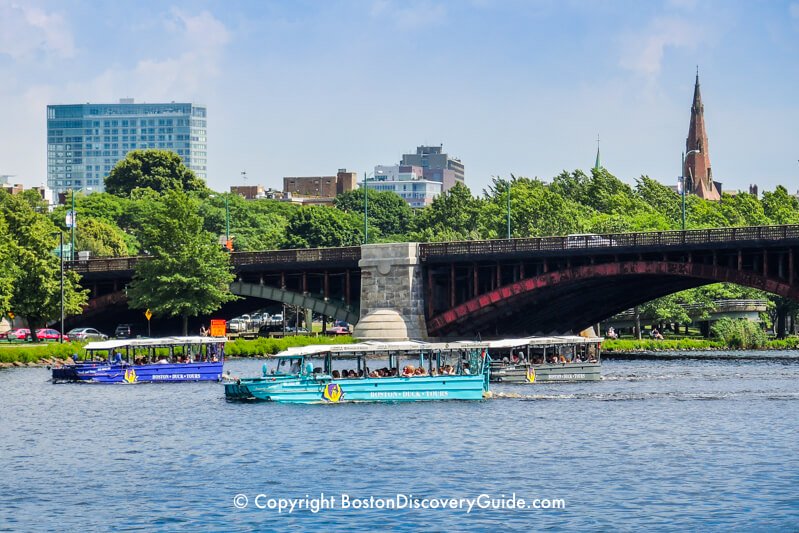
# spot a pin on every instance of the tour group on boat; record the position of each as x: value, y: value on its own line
x: 370, y: 371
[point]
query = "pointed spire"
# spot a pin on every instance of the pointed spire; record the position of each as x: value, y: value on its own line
x: 697, y: 107
x: 597, y: 164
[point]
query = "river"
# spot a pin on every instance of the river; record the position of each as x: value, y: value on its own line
x: 685, y: 444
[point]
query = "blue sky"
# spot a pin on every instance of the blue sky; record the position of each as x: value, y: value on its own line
x: 516, y: 86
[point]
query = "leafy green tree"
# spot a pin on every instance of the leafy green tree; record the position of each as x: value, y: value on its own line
x: 661, y: 199
x: 742, y: 209
x: 781, y: 207
x: 254, y: 224
x: 453, y: 215
x: 101, y: 238
x: 321, y: 227
x: 7, y: 267
x: 188, y: 273
x: 536, y: 210
x: 159, y: 170
x: 36, y: 272
x: 387, y: 210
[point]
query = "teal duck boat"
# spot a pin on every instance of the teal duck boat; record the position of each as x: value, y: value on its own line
x: 372, y: 372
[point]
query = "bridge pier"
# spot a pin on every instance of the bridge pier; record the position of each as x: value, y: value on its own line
x: 392, y: 293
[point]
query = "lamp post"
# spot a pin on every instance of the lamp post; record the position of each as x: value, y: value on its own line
x: 227, y: 220
x: 72, y: 228
x: 61, y: 258
x: 508, y: 182
x: 682, y: 180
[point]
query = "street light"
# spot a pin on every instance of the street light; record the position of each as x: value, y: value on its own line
x: 61, y: 257
x: 72, y: 220
x: 682, y: 180
x: 366, y: 204
x: 509, y: 184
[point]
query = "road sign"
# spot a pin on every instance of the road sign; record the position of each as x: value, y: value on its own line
x: 148, y: 314
x: 70, y: 219
x: 217, y: 327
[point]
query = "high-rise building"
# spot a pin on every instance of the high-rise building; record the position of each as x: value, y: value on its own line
x: 437, y: 166
x: 85, y: 141
x: 697, y: 159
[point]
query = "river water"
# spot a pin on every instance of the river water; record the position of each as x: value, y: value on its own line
x: 682, y: 444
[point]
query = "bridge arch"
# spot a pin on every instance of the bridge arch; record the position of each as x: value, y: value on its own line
x: 574, y: 298
x: 335, y: 310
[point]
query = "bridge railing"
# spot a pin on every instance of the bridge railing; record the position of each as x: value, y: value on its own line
x: 611, y: 240
x: 271, y: 257
x: 718, y: 306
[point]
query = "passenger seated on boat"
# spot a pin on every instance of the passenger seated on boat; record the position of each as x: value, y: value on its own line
x: 506, y: 360
x: 352, y: 374
x: 163, y: 361
x: 374, y: 374
x: 317, y: 370
x: 336, y: 374
x: 420, y: 372
x: 577, y: 359
x: 408, y: 371
x: 466, y: 370
x: 592, y: 359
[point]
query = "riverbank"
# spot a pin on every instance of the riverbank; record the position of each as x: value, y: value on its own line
x: 46, y: 354
x: 653, y: 345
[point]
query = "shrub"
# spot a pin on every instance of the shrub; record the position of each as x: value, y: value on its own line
x: 739, y: 333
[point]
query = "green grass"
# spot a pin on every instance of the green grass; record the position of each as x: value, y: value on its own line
x: 632, y: 345
x: 34, y: 353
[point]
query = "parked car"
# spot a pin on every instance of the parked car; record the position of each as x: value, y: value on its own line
x: 272, y: 327
x: 588, y: 240
x: 338, y: 330
x: 48, y: 334
x: 18, y: 334
x: 124, y: 331
x: 236, y: 325
x: 86, y: 334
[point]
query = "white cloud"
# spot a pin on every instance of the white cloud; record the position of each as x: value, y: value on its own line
x: 27, y: 31
x: 201, y: 42
x: 643, y: 52
x: 406, y: 16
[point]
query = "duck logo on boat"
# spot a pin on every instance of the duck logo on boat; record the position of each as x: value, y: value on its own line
x: 130, y: 376
x: 531, y: 375
x: 332, y: 392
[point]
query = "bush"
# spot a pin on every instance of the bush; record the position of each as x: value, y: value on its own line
x: 31, y: 353
x: 739, y: 333
x: 629, y: 345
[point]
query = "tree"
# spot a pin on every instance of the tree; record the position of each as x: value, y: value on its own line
x: 36, y: 272
x: 387, y: 210
x: 100, y: 238
x: 188, y: 273
x: 781, y: 207
x: 159, y: 170
x: 7, y: 267
x: 453, y: 215
x: 318, y: 227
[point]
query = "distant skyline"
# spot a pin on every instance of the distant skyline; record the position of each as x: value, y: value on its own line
x: 517, y: 86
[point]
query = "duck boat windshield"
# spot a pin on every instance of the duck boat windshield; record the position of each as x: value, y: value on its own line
x: 160, y: 360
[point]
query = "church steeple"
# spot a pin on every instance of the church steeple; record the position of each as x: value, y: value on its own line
x: 597, y: 164
x: 697, y: 164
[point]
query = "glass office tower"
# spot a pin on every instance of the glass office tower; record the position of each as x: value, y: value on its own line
x: 85, y: 141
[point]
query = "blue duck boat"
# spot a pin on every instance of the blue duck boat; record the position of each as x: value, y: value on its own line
x: 160, y: 360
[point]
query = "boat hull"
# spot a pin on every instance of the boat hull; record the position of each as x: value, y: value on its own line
x: 549, y: 373
x: 325, y: 390
x: 154, y: 373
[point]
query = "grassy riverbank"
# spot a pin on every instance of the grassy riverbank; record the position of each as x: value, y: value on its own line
x: 646, y: 345
x: 46, y: 353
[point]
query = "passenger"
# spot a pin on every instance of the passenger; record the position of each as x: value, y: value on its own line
x: 374, y: 374
x: 577, y: 359
x: 408, y: 371
x: 420, y: 372
x: 562, y: 359
x: 352, y: 374
x: 466, y: 370
x: 336, y: 374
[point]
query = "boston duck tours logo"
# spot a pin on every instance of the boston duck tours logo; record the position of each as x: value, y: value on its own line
x: 332, y: 392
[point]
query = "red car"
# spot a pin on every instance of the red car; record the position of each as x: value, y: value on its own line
x: 19, y: 334
x: 47, y: 334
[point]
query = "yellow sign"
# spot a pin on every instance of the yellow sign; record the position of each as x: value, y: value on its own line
x: 148, y: 314
x: 530, y: 375
x: 11, y: 315
x: 130, y: 376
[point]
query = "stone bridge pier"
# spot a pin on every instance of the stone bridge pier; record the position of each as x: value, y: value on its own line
x: 392, y: 293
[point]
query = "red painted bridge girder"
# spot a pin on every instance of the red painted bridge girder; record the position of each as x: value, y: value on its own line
x: 525, y: 288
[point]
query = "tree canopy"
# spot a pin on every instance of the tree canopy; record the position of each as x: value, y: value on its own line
x: 159, y: 170
x: 188, y: 273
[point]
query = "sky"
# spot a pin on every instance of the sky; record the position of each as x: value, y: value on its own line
x: 522, y: 87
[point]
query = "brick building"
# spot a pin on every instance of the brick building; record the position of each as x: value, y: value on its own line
x: 321, y: 186
x: 697, y: 164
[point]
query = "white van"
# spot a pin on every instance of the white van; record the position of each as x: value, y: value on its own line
x: 587, y: 240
